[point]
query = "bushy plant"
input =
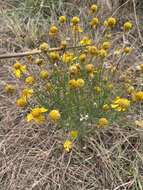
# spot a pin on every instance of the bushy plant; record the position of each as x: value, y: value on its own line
x: 82, y: 84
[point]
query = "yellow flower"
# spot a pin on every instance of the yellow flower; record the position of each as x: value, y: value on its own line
x: 21, y: 102
x: 73, y: 69
x: 39, y: 62
x: 120, y: 104
x: 127, y: 26
x: 82, y: 57
x: 54, y: 55
x: 54, y: 115
x: 72, y: 83
x: 36, y: 114
x: 74, y: 134
x: 68, y: 57
x: 127, y: 50
x: 97, y: 89
x: 89, y: 68
x: 80, y: 83
x: 92, y: 50
x: 106, y: 107
x: 106, y: 45
x: 44, y: 47
x: 53, y: 31
x: 86, y: 41
x: 93, y: 23
x: 93, y: 8
x: 137, y: 96
x: 75, y: 20
x: 27, y: 92
x: 62, y: 19
x: 63, y: 44
x: 19, y: 69
x: 103, y: 122
x: 44, y: 74
x: 105, y: 23
x: 9, y: 88
x: 68, y: 145
x: 30, y: 80
x: 102, y: 53
x: 111, y: 22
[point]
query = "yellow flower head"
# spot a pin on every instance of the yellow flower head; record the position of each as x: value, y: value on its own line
x: 54, y: 115
x: 103, y: 122
x: 68, y: 145
x: 53, y: 31
x: 21, y: 102
x: 82, y: 57
x: 62, y: 19
x: 106, y: 107
x: 54, y: 56
x: 27, y: 92
x: 80, y: 83
x: 74, y: 134
x: 36, y: 114
x: 30, y: 80
x: 75, y: 20
x: 106, y: 45
x: 44, y: 47
x: 85, y: 41
x: 111, y: 22
x: 97, y: 89
x: 93, y: 8
x: 73, y: 69
x: 137, y: 96
x: 120, y: 104
x: 44, y: 74
x: 67, y: 57
x: 127, y: 50
x: 93, y: 23
x: 72, y: 83
x: 127, y: 26
x: 19, y: 69
x: 102, y: 53
x: 89, y: 68
x: 39, y: 62
x: 9, y: 88
x: 63, y: 44
x: 92, y: 50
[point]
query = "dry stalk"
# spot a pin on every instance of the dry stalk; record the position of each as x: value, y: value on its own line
x: 36, y: 51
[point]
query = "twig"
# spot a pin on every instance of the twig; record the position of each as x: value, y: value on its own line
x: 34, y: 52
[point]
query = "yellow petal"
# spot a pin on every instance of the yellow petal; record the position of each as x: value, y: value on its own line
x: 23, y: 69
x: 17, y: 73
x: 114, y: 106
x: 29, y: 117
x: 42, y: 110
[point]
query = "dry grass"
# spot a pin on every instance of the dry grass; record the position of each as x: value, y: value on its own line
x: 32, y: 157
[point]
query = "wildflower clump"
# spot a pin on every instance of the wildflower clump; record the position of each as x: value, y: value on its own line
x: 82, y: 84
